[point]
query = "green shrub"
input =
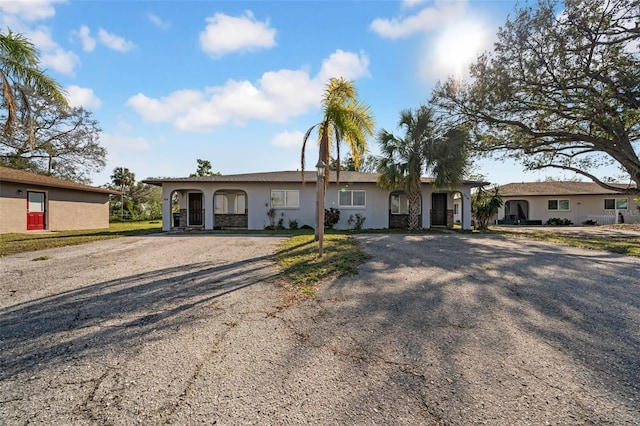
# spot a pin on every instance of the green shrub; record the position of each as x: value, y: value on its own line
x: 356, y: 221
x: 556, y: 221
x: 331, y: 217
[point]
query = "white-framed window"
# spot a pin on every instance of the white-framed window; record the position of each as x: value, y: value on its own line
x: 285, y: 198
x: 562, y: 205
x: 230, y: 203
x: 616, y: 203
x: 456, y: 208
x: 352, y: 198
x: 399, y: 204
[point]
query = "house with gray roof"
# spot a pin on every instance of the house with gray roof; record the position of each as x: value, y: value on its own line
x: 536, y: 202
x: 255, y: 200
x: 32, y: 202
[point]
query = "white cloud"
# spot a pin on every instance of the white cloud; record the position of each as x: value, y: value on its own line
x: 165, y: 109
x: 31, y: 10
x: 443, y: 12
x: 454, y: 49
x: 288, y: 139
x: 158, y: 22
x: 82, y: 96
x: 88, y: 42
x: 225, y: 34
x: 276, y: 97
x: 114, y: 42
x: 412, y: 3
x: 119, y: 144
x: 60, y: 60
x: 345, y: 64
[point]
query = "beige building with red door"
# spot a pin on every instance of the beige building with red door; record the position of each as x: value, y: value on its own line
x: 31, y: 202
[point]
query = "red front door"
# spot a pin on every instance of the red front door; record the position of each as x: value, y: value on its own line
x: 35, y: 210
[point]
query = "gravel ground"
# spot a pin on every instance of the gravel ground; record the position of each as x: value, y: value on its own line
x: 448, y: 329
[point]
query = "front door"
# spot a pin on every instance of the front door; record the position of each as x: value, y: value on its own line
x: 35, y: 210
x: 438, y: 209
x: 195, y: 209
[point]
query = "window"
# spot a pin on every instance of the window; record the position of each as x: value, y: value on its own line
x: 456, y: 208
x: 399, y: 204
x: 558, y: 205
x: 229, y: 203
x: 285, y: 198
x: 352, y: 198
x: 616, y: 203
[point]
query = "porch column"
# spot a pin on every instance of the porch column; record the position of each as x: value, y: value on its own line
x: 466, y: 208
x: 426, y: 208
x: 207, y: 204
x: 166, y: 208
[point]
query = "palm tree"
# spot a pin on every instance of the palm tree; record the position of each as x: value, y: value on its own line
x: 20, y: 75
x: 124, y: 179
x: 485, y: 205
x: 423, y: 149
x: 344, y: 119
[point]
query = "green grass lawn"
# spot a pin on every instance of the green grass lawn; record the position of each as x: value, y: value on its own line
x: 302, y: 267
x: 20, y: 243
x: 623, y: 245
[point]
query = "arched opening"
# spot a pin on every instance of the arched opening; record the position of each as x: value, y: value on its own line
x: 516, y: 211
x: 230, y: 209
x: 399, y: 210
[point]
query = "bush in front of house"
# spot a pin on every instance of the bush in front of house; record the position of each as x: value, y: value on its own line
x: 331, y: 217
x: 556, y: 221
x: 356, y: 221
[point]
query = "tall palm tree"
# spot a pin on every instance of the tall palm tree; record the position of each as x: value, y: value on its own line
x: 20, y: 75
x: 425, y: 148
x: 344, y: 119
x: 124, y: 179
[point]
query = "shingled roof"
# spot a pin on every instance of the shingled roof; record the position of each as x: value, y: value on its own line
x: 557, y: 188
x: 283, y: 177
x: 20, y: 176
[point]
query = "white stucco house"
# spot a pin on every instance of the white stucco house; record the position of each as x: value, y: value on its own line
x: 242, y: 201
x: 537, y: 202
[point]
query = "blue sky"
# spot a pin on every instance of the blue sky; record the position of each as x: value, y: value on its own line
x: 239, y: 82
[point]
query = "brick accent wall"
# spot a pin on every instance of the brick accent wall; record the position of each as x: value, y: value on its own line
x: 231, y: 220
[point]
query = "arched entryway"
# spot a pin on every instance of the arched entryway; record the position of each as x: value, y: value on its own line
x: 230, y: 209
x: 399, y: 210
x: 516, y: 211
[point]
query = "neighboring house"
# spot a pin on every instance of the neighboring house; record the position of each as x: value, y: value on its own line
x: 536, y: 202
x: 243, y: 201
x: 31, y: 202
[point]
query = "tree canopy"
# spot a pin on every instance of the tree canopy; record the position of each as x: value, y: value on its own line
x: 64, y: 143
x: 345, y: 118
x: 429, y: 146
x: 561, y: 89
x: 204, y: 169
x: 21, y: 77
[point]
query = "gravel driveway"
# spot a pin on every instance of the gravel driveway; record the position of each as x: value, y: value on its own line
x: 450, y: 329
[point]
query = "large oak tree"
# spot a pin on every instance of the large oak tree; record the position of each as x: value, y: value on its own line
x: 58, y: 141
x: 561, y: 89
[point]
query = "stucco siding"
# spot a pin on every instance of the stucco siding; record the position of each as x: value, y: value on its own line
x: 13, y: 208
x: 69, y: 210
x: 65, y: 209
x: 581, y: 208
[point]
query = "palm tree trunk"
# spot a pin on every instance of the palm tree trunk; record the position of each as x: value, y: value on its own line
x: 414, y: 210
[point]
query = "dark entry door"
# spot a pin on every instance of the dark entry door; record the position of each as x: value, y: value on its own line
x: 35, y: 210
x: 195, y: 209
x: 439, y: 210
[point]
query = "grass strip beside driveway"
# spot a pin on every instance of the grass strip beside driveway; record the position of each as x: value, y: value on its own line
x: 304, y: 269
x: 20, y: 243
x: 626, y: 245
